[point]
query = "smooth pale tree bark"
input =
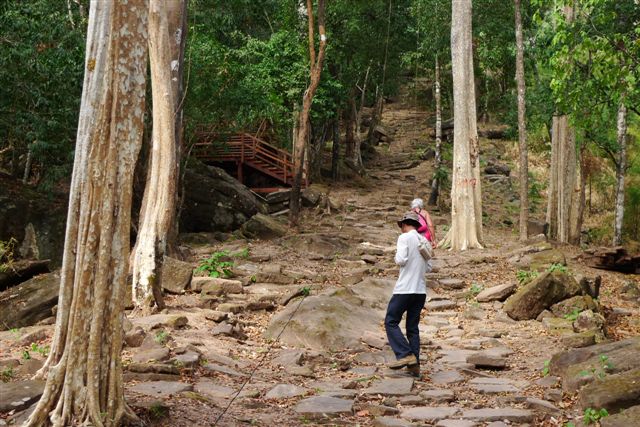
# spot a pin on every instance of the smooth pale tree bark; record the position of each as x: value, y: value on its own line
x: 160, y: 197
x: 84, y: 370
x: 621, y: 167
x: 435, y: 183
x: 303, y: 121
x: 466, y: 203
x: 522, y: 127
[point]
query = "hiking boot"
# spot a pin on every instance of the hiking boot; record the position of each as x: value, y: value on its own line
x: 414, y: 371
x: 409, y: 360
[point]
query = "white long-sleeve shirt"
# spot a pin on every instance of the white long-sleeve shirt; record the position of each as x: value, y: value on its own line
x: 412, y: 266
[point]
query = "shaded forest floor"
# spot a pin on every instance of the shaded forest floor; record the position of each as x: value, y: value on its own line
x: 214, y: 358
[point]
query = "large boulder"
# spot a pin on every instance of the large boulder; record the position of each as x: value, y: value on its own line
x: 36, y: 220
x: 29, y: 302
x: 22, y: 270
x: 215, y: 201
x: 262, y: 226
x: 597, y: 360
x: 541, y: 293
x: 612, y: 392
x: 625, y: 418
x: 335, y: 319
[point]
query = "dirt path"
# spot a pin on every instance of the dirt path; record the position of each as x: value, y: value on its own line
x: 187, y: 365
x: 290, y: 384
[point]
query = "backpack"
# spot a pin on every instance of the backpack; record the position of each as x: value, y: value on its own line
x: 425, y: 248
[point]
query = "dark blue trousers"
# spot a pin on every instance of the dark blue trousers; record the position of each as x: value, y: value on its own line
x: 412, y: 304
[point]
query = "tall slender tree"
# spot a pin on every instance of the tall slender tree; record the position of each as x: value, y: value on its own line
x: 522, y: 126
x: 302, y: 135
x: 466, y: 203
x: 160, y: 198
x: 83, y: 372
x: 621, y: 166
x: 435, y: 182
x: 562, y: 212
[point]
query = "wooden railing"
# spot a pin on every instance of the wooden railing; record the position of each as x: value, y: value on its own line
x: 247, y: 149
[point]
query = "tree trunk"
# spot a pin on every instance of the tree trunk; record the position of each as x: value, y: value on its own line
x: 84, y: 369
x: 349, y: 120
x: 177, y: 19
x: 561, y: 212
x: 159, y: 202
x: 621, y: 167
x: 435, y: 183
x: 577, y: 232
x: 522, y: 127
x: 27, y: 167
x: 357, y: 151
x: 316, y: 147
x: 466, y: 204
x: 303, y: 129
x: 335, y: 149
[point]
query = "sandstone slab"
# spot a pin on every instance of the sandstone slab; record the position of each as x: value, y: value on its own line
x: 429, y: 413
x: 440, y: 305
x: 390, y: 422
x: 499, y: 414
x: 438, y: 395
x: 446, y: 377
x: 285, y: 391
x: 496, y: 293
x: 20, y: 394
x: 324, y: 406
x: 334, y: 319
x: 211, y: 389
x: 161, y: 388
x: 391, y: 387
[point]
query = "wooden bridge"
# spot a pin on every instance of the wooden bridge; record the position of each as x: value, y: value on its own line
x: 246, y: 149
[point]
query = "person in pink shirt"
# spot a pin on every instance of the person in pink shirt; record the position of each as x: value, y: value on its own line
x: 426, y: 225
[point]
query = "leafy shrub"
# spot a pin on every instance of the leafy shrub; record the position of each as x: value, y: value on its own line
x: 525, y: 276
x: 557, y: 267
x: 6, y: 254
x: 592, y: 416
x: 215, y: 266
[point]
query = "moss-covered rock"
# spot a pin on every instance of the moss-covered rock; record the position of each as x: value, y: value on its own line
x: 262, y: 226
x: 581, y: 366
x: 626, y: 418
x: 613, y: 392
x: 575, y: 304
x: 547, y: 289
x: 541, y: 261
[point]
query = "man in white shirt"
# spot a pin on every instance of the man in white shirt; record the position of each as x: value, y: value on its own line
x: 409, y: 296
